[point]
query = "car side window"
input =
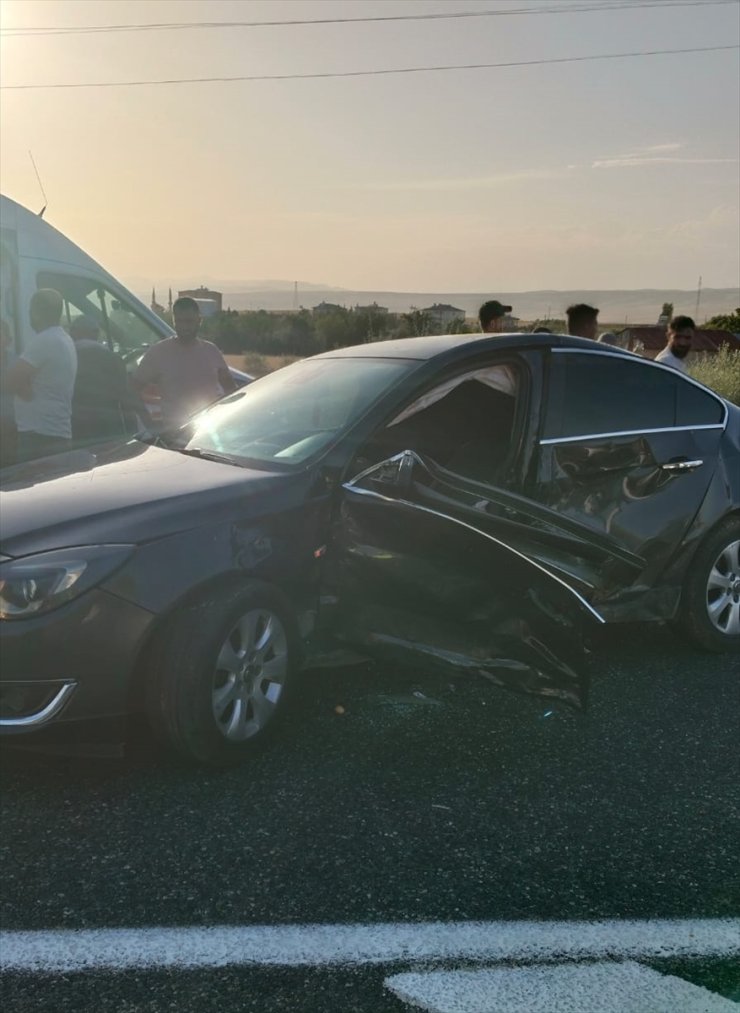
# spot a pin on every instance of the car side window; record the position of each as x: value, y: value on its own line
x: 466, y: 424
x: 592, y: 394
x: 697, y: 407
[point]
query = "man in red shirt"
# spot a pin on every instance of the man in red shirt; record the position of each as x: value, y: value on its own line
x: 190, y: 372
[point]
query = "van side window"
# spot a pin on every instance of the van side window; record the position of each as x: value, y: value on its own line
x: 123, y: 328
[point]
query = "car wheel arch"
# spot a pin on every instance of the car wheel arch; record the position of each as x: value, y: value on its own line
x: 213, y: 586
x: 690, y: 613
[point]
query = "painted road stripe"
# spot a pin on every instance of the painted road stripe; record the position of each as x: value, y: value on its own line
x: 598, y: 988
x: 324, y: 945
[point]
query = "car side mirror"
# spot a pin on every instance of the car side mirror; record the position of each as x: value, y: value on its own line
x: 396, y: 472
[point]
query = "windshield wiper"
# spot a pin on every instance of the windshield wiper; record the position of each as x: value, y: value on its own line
x: 206, y: 455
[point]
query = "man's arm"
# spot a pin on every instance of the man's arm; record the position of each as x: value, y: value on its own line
x: 226, y: 380
x: 19, y: 379
x: 146, y: 372
x: 128, y: 399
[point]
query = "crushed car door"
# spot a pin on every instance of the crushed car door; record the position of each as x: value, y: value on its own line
x: 472, y: 441
x: 418, y: 585
x: 627, y: 454
x: 591, y: 562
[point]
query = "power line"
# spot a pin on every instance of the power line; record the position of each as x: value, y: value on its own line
x: 369, y: 73
x: 606, y: 5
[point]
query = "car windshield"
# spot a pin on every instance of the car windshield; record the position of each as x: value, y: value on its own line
x: 292, y: 414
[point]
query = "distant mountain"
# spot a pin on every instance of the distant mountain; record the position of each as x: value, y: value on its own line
x: 138, y: 284
x: 617, y: 306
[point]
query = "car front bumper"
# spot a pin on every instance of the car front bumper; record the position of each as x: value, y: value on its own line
x: 72, y: 664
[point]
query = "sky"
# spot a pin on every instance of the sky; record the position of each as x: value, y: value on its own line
x: 611, y: 174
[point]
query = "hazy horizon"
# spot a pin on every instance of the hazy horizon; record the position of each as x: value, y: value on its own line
x: 620, y: 174
x: 617, y: 306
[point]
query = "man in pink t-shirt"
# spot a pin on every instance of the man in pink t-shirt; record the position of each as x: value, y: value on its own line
x: 189, y: 372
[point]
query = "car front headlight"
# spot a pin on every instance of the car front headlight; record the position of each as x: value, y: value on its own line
x: 35, y: 584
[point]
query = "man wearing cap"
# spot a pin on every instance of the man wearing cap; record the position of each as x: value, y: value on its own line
x: 491, y: 316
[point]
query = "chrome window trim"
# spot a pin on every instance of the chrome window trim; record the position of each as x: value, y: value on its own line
x: 630, y: 357
x: 351, y: 487
x: 626, y: 432
x: 45, y: 714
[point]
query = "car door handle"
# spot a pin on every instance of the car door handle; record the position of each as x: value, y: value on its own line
x: 682, y: 465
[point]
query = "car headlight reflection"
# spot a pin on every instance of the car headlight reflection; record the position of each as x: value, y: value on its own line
x: 35, y: 584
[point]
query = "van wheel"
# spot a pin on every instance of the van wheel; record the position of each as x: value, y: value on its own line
x: 221, y: 674
x: 710, y: 604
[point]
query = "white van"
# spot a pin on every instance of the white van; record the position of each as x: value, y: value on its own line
x: 34, y: 255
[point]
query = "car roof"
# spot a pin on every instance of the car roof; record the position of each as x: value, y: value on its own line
x: 434, y: 345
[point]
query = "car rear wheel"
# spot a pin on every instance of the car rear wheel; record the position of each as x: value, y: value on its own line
x: 221, y: 674
x: 711, y: 597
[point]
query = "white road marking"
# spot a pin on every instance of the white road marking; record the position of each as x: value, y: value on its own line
x: 324, y: 945
x: 598, y: 988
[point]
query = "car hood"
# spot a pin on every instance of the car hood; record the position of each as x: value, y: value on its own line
x: 126, y: 493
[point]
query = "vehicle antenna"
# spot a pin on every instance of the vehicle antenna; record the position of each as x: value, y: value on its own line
x: 41, y: 185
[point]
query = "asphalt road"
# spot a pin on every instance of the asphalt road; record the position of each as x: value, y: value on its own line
x: 424, y: 800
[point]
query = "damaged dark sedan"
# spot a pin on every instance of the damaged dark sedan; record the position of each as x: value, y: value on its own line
x: 478, y: 503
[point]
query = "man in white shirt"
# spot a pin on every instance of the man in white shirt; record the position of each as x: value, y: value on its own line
x: 680, y: 339
x: 42, y: 379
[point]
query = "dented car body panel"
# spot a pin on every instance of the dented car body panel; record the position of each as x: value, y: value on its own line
x: 453, y: 514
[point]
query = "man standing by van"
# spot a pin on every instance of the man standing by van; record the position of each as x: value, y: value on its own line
x: 190, y: 373
x: 42, y: 379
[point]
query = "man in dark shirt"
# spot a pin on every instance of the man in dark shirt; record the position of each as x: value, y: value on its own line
x: 103, y: 405
x: 492, y: 316
x: 583, y: 321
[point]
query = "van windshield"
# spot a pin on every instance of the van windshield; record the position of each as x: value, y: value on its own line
x: 293, y: 414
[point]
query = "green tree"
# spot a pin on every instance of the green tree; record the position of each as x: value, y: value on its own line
x: 726, y: 321
x: 667, y: 310
x: 334, y: 330
x: 415, y: 324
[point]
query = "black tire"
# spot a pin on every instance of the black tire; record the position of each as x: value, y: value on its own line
x: 697, y: 598
x: 204, y: 677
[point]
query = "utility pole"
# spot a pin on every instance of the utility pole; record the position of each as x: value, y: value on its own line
x: 698, y: 300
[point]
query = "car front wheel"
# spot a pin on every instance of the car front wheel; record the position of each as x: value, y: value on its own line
x: 221, y: 674
x: 711, y: 597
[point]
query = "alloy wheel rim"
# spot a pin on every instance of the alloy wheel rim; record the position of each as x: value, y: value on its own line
x: 250, y: 674
x: 723, y: 591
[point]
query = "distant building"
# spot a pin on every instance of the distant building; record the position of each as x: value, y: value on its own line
x: 327, y: 307
x: 372, y: 308
x: 204, y: 296
x: 649, y: 339
x: 155, y: 307
x: 442, y: 314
